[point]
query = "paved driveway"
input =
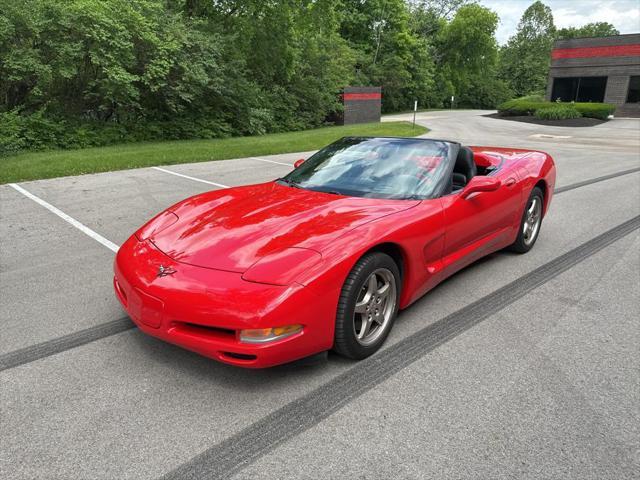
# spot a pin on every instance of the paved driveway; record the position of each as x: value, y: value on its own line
x: 518, y: 366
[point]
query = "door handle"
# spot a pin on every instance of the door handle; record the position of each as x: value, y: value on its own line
x: 510, y: 182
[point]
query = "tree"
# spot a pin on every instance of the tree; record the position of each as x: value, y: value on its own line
x: 468, y: 58
x: 77, y: 73
x: 107, y: 60
x: 597, y: 29
x: 388, y: 52
x: 524, y: 61
x: 444, y: 9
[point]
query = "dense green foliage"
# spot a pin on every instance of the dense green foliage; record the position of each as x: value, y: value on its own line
x: 82, y: 73
x: 596, y: 29
x: 469, y: 58
x: 536, y: 97
x: 558, y: 112
x: 90, y: 72
x: 524, y: 61
x: 600, y: 111
x: 522, y: 106
x: 532, y: 104
x: 388, y: 53
x: 55, y: 163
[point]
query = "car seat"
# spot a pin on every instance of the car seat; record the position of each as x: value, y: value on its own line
x: 465, y: 168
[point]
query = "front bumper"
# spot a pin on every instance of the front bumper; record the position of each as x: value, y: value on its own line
x: 202, y: 309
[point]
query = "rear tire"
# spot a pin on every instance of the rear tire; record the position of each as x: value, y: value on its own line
x: 530, y: 223
x: 368, y: 306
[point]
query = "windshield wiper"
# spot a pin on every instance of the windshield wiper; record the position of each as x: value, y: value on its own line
x: 291, y: 183
x: 330, y: 192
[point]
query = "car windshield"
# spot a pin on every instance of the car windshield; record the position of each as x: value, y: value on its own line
x: 396, y: 168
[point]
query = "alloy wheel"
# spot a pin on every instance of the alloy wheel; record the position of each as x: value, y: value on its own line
x: 532, y: 220
x: 375, y: 306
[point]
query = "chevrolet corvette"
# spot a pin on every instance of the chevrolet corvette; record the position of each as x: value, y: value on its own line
x: 324, y: 257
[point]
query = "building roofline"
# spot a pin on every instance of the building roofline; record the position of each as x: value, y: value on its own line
x: 599, y: 36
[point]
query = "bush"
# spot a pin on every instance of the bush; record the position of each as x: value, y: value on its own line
x: 557, y: 112
x: 595, y: 110
x: 529, y: 106
x: 520, y: 106
x: 20, y: 132
x: 483, y: 93
x: 11, y: 133
x: 534, y: 97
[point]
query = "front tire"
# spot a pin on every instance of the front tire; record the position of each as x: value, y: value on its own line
x: 530, y: 223
x: 368, y: 306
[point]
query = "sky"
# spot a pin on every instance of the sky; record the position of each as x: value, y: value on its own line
x: 623, y: 14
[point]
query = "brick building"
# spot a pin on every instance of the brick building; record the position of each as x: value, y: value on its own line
x: 605, y: 69
x: 361, y: 105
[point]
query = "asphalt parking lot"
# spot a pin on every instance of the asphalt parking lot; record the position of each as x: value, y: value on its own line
x: 518, y: 366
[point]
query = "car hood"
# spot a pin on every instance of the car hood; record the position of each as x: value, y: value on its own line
x: 231, y: 229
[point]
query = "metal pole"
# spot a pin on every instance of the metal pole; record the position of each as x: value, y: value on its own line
x: 415, y: 108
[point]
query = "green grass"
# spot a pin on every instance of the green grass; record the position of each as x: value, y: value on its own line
x: 57, y: 163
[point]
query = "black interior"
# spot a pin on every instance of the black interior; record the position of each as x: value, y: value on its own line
x: 483, y: 171
x: 465, y: 168
x: 459, y: 181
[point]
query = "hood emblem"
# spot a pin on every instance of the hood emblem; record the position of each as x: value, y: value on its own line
x: 164, y: 271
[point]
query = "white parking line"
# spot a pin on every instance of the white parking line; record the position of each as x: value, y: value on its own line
x: 546, y: 135
x: 72, y: 221
x: 190, y: 178
x: 272, y: 161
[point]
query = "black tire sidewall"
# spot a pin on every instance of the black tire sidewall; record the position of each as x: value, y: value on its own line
x: 345, y: 341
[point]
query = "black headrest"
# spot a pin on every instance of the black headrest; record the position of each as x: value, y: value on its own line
x: 465, y: 163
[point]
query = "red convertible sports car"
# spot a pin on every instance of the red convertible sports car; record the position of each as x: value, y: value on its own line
x: 324, y: 257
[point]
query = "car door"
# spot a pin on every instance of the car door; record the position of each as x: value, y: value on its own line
x: 479, y: 223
